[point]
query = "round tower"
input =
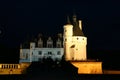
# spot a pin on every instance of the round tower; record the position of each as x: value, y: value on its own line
x: 68, y: 32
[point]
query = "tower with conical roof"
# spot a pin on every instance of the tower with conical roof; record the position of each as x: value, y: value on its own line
x: 74, y: 40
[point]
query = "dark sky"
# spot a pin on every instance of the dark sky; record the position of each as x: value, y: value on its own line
x: 20, y: 18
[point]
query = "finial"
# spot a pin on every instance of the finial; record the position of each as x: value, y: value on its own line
x: 74, y: 17
x: 68, y: 20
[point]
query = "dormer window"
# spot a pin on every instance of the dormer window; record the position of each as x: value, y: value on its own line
x: 40, y: 43
x: 49, y: 43
x: 58, y: 43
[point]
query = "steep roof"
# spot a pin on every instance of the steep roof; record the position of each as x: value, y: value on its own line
x: 76, y: 29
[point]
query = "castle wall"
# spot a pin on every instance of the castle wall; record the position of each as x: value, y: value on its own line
x: 37, y: 54
x: 88, y: 67
x: 79, y: 48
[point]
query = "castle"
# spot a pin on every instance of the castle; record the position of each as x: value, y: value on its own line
x: 40, y: 52
x: 74, y: 45
x: 72, y: 48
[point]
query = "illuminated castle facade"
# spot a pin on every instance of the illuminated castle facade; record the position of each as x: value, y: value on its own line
x: 74, y: 45
x: 73, y: 50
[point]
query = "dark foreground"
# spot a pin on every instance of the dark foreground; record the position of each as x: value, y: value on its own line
x: 63, y: 71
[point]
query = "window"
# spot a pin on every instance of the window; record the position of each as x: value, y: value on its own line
x: 58, y: 45
x: 40, y: 52
x: 65, y: 39
x: 77, y: 38
x: 49, y: 53
x: 58, y: 53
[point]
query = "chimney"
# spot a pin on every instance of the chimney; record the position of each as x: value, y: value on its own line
x: 80, y: 24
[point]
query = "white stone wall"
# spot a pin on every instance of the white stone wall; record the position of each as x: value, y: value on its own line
x: 80, y: 47
x: 68, y: 32
x: 24, y: 55
x: 45, y: 53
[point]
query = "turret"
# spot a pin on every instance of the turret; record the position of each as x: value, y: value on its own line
x: 68, y: 33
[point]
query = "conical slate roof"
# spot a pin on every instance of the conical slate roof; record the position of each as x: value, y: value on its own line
x: 76, y: 29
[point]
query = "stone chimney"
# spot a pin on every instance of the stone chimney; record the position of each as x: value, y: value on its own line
x: 80, y: 24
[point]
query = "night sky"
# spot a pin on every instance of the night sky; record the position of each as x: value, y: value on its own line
x: 22, y: 18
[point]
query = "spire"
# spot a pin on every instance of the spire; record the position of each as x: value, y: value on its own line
x: 68, y: 20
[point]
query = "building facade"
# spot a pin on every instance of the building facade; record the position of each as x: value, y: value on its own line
x: 40, y: 53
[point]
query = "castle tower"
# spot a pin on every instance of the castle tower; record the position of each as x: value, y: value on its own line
x: 74, y: 41
x: 68, y: 33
